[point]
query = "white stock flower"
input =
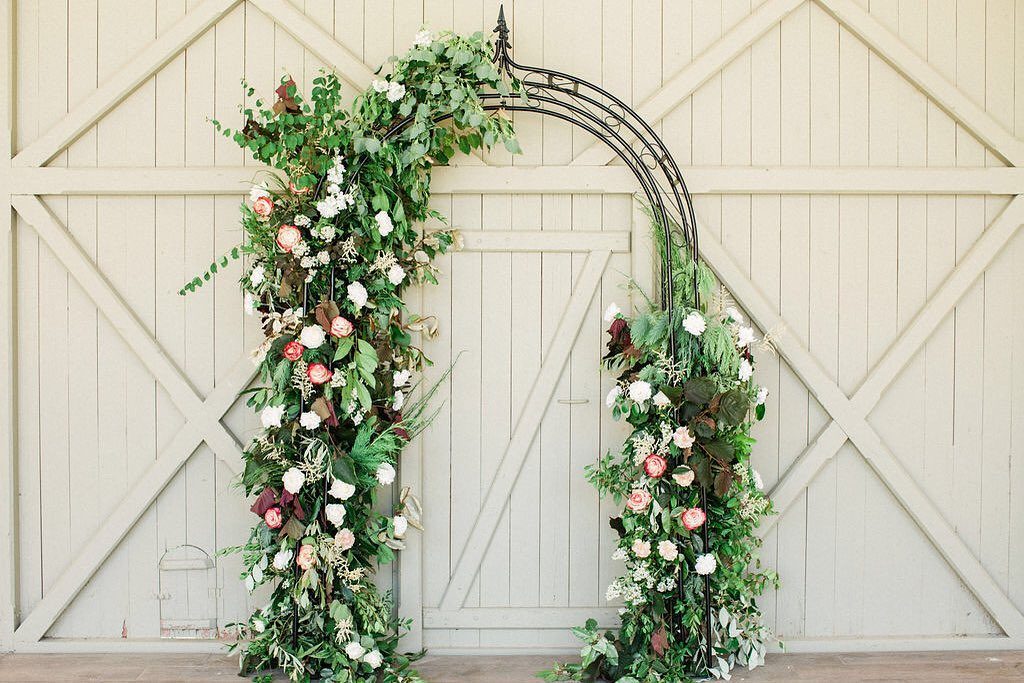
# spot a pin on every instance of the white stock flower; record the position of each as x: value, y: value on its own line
x: 384, y: 224
x: 639, y: 391
x: 335, y: 513
x: 758, y: 481
x: 396, y: 91
x: 401, y: 525
x: 613, y: 396
x: 282, y: 559
x: 398, y: 401
x: 357, y: 294
x: 249, y: 304
x: 293, y: 480
x: 746, y: 370
x: 744, y: 336
x: 660, y: 400
x: 694, y: 323
x: 257, y: 275
x: 762, y: 395
x: 354, y: 650
x: 312, y: 336
x: 396, y: 274
x: 612, y: 311
x: 400, y: 378
x: 668, y: 551
x: 705, y: 564
x: 271, y: 416
x: 374, y: 658
x: 309, y: 420
x: 342, y: 490
x: 422, y: 38
x: 385, y: 473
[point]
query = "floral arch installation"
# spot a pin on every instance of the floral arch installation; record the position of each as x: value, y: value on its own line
x: 610, y: 120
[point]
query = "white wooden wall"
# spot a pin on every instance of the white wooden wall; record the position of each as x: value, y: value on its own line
x: 855, y: 166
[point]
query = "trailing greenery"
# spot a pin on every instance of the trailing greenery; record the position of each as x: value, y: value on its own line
x: 335, y: 237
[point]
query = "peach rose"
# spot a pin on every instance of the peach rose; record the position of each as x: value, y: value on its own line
x: 287, y: 237
x: 655, y: 465
x: 273, y: 517
x: 639, y: 500
x: 341, y: 327
x: 345, y: 539
x: 693, y: 518
x: 306, y: 559
x: 263, y: 206
x: 293, y: 350
x: 319, y: 373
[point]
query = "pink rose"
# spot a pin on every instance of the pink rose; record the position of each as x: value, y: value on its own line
x: 693, y: 518
x: 655, y: 465
x: 345, y: 539
x: 683, y: 438
x: 319, y: 373
x: 305, y: 558
x: 293, y: 350
x: 287, y: 237
x: 341, y: 327
x: 639, y: 500
x: 273, y: 517
x: 263, y: 206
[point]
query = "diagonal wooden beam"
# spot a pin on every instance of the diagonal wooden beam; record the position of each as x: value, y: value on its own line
x: 122, y: 84
x: 524, y: 432
x: 926, y: 78
x: 899, y: 353
x: 851, y: 420
x: 715, y: 58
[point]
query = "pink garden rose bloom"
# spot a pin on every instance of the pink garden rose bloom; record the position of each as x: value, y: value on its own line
x: 655, y: 465
x: 273, y: 517
x: 693, y: 518
x: 287, y: 237
x: 263, y: 206
x: 305, y: 558
x: 319, y: 373
x: 341, y: 327
x: 293, y: 351
x: 345, y: 539
x: 639, y: 500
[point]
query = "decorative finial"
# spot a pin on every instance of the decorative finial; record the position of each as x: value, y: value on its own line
x: 502, y: 46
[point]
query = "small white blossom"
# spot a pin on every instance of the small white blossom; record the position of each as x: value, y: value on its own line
x: 312, y: 336
x: 301, y: 220
x: 758, y: 481
x: 396, y: 91
x: 746, y: 370
x: 249, y: 303
x: 309, y: 420
x: 354, y: 650
x: 300, y: 249
x: 422, y: 38
x: 661, y: 400
x: 282, y: 558
x: 374, y: 658
x: 744, y: 336
x: 384, y: 224
x: 323, y: 257
x: 401, y: 525
x: 734, y: 314
x: 271, y: 416
x: 307, y: 262
x: 612, y: 311
x: 762, y: 395
x: 357, y: 294
x: 619, y: 554
x: 694, y: 323
x: 379, y: 85
x: 398, y: 401
x: 705, y: 564
x: 639, y: 391
x: 335, y: 513
x: 400, y: 378
x: 327, y: 232
x: 396, y: 274
x: 613, y: 396
x: 293, y: 480
x: 385, y: 473
x: 342, y: 490
x: 257, y: 275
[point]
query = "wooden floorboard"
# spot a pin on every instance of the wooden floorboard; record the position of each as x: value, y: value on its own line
x: 912, y: 666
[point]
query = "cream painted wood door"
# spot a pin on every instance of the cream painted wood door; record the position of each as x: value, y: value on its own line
x: 856, y: 167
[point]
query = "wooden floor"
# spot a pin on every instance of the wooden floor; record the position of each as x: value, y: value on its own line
x: 931, y: 666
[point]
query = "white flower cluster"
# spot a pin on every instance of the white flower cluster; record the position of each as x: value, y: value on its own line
x: 325, y: 231
x: 336, y: 201
x: 395, y: 91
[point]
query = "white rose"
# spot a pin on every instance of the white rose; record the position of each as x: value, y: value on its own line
x: 271, y: 416
x: 312, y: 336
x: 612, y: 311
x: 357, y: 294
x: 396, y: 274
x: 639, y: 391
x: 400, y: 378
x: 668, y: 551
x: 396, y: 91
x: 282, y: 559
x: 694, y: 323
x: 641, y: 548
x: 746, y: 370
x: 401, y: 525
x: 384, y: 224
x: 385, y: 473
x: 354, y: 650
x: 309, y: 420
x: 762, y: 395
x: 374, y: 658
x: 342, y: 490
x: 613, y: 396
x: 661, y: 400
x: 293, y: 480
x: 379, y: 85
x: 705, y: 564
x: 335, y: 513
x: 257, y: 275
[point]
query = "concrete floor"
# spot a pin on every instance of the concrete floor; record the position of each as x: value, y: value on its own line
x: 118, y: 668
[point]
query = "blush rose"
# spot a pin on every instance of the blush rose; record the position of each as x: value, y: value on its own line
x: 341, y: 327
x: 263, y: 206
x: 639, y: 500
x: 273, y: 517
x: 319, y: 373
x: 306, y: 559
x: 293, y: 350
x: 655, y: 465
x: 288, y: 236
x: 693, y: 518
